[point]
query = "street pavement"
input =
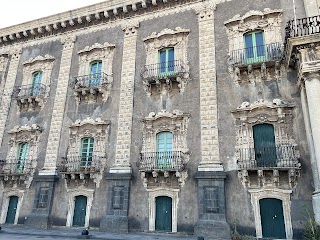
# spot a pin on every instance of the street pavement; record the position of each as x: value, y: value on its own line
x: 18, y: 232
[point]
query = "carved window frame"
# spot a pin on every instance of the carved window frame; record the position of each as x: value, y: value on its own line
x: 175, y: 122
x: 38, y: 64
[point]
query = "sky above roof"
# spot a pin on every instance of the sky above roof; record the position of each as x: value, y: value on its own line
x: 14, y: 12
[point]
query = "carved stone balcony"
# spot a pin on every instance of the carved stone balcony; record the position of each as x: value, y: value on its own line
x: 269, y: 166
x: 90, y: 88
x: 165, y: 74
x: 16, y: 172
x: 31, y: 97
x: 302, y: 43
x: 157, y: 165
x: 262, y: 61
x: 83, y: 169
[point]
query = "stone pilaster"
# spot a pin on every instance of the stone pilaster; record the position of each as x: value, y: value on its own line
x: 122, y: 160
x: 311, y: 7
x: 15, y: 54
x: 208, y: 93
x: 52, y: 154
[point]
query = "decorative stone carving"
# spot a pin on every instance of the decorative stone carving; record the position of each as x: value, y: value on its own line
x: 29, y: 99
x: 266, y: 68
x: 177, y: 39
x: 176, y: 123
x: 84, y: 90
x: 19, y: 134
x: 280, y: 114
x: 130, y: 28
x: 98, y: 129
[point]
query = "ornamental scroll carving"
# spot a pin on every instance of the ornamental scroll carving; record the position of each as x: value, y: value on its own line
x: 167, y: 38
x: 24, y: 134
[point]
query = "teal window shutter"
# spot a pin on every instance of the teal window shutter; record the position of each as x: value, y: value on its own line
x: 166, y: 61
x: 254, y: 47
x: 86, y: 151
x: 95, y: 72
x: 164, y: 149
x: 36, y: 83
x: 22, y: 156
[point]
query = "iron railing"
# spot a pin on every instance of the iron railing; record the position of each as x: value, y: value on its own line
x: 280, y: 156
x: 166, y: 161
x: 78, y: 164
x: 91, y: 81
x: 258, y: 54
x: 15, y: 167
x: 163, y: 70
x: 30, y: 90
x: 302, y: 27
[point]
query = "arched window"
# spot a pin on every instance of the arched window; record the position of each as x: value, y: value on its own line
x: 86, y: 151
x: 95, y: 72
x: 166, y: 61
x: 255, y: 49
x: 22, y: 156
x: 36, y: 83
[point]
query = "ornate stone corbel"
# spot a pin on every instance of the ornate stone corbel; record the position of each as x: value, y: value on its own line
x: 130, y: 28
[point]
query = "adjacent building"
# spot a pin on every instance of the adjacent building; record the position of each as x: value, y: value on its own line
x: 163, y: 115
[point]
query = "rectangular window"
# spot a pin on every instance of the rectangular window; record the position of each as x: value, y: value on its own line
x: 166, y: 61
x: 22, y: 156
x: 95, y: 72
x: 254, y: 47
x: 86, y: 152
x: 36, y: 83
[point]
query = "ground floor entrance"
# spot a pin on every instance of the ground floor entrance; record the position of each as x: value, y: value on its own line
x: 80, y: 209
x: 163, y: 214
x: 12, y: 209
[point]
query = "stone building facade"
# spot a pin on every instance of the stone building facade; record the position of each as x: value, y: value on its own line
x: 161, y: 115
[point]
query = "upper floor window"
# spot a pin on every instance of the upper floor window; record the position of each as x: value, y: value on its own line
x: 95, y: 72
x: 166, y: 61
x: 86, y: 151
x: 36, y: 83
x: 22, y: 156
x: 254, y: 47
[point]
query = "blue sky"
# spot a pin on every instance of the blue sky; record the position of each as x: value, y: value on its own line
x: 13, y: 12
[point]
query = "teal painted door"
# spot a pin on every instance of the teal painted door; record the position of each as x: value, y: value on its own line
x: 164, y: 214
x: 164, y: 149
x: 254, y: 47
x: 80, y: 210
x: 12, y: 209
x: 22, y: 156
x: 95, y: 71
x: 272, y: 220
x: 36, y: 83
x: 264, y: 145
x: 166, y: 57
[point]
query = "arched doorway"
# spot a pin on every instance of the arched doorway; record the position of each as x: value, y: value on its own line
x: 163, y: 214
x: 12, y: 209
x: 272, y: 219
x: 80, y: 210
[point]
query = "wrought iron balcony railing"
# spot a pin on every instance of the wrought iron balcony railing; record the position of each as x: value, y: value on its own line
x: 162, y: 161
x: 258, y: 54
x: 30, y: 90
x: 276, y: 157
x: 163, y: 70
x: 302, y: 27
x: 78, y: 164
x: 15, y: 167
x: 91, y: 81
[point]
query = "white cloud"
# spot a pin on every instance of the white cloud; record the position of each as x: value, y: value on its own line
x: 14, y: 12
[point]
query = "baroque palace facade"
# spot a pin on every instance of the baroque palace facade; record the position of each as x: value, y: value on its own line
x: 163, y: 115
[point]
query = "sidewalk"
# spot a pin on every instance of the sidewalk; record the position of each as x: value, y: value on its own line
x: 93, y: 234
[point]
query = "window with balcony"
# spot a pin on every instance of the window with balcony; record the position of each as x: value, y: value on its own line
x: 86, y: 152
x: 266, y: 151
x: 166, y: 62
x: 94, y: 80
x: 34, y: 90
x: 255, y: 45
x: 164, y: 148
x: 22, y: 156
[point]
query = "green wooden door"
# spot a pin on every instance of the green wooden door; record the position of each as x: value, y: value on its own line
x: 164, y: 149
x: 95, y: 71
x: 166, y: 61
x: 254, y: 47
x: 80, y: 210
x: 164, y: 214
x: 264, y: 145
x: 272, y: 220
x: 12, y: 209
x: 22, y: 156
x: 36, y: 83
